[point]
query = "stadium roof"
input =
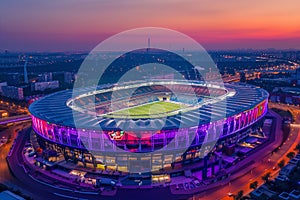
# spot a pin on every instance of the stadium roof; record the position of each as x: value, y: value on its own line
x: 53, y: 109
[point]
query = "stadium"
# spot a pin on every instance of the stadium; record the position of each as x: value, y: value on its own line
x: 146, y: 126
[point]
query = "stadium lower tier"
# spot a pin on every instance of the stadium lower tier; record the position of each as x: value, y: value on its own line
x: 151, y: 150
x: 136, y: 162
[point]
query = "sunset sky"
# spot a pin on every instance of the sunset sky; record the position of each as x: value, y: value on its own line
x: 79, y: 25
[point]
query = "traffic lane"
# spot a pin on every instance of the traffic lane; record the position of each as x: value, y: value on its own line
x: 5, y: 175
x: 240, y: 183
x: 13, y: 129
x: 15, y: 119
x: 274, y: 173
x: 29, y: 186
x: 46, y: 192
x: 288, y: 145
x: 4, y: 171
x: 258, y: 169
x: 4, y: 135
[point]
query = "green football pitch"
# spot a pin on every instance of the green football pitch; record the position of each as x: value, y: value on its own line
x: 147, y: 110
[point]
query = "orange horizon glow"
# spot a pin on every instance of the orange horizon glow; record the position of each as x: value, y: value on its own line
x: 81, y: 25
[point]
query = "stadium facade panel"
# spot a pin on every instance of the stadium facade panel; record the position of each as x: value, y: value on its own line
x: 115, y: 136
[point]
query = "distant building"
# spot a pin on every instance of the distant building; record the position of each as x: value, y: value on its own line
x: 164, y: 76
x: 287, y: 95
x: 13, y: 79
x: 284, y: 196
x: 68, y: 77
x: 212, y: 76
x: 243, y: 77
x: 263, y: 193
x: 283, y: 81
x: 287, y: 170
x: 266, y: 129
x: 295, y: 161
x: 294, y: 195
x: 13, y: 92
x: 298, y: 76
x: 2, y: 84
x: 3, y: 113
x: 8, y: 59
x: 45, y: 77
x: 41, y: 86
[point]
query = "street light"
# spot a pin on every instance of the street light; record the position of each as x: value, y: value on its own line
x: 229, y: 192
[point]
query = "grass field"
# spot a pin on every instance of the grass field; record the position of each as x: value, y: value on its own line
x: 147, y: 110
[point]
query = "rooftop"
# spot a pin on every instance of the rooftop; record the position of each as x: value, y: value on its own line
x: 53, y: 109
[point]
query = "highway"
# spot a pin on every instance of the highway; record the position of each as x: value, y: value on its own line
x: 19, y: 118
x: 288, y: 145
x: 39, y: 191
x: 5, y: 176
x: 24, y: 182
x: 262, y: 165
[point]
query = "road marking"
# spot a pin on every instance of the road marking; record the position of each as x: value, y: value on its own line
x: 82, y: 192
x: 48, y: 184
x: 70, y: 197
x: 61, y: 188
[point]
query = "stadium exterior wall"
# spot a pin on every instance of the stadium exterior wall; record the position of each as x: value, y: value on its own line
x: 67, y: 140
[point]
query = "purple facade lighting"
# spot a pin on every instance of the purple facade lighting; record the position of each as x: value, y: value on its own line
x: 72, y: 137
x: 55, y: 129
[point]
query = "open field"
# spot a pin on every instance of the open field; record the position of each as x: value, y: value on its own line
x: 147, y: 110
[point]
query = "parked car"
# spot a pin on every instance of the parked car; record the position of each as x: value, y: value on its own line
x: 186, y: 186
x: 192, y: 185
x: 31, y: 154
x: 197, y: 183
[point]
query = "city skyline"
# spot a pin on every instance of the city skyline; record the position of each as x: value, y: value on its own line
x: 135, y: 99
x: 80, y: 26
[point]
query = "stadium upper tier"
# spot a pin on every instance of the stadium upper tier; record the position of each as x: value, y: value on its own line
x: 200, y: 104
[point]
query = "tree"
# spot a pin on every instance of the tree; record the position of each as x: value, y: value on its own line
x: 239, y: 195
x: 281, y: 164
x: 297, y: 148
x: 253, y: 185
x: 266, y: 177
x: 291, y: 155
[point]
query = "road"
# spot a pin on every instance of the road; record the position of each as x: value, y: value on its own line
x: 5, y: 175
x: 19, y: 118
x: 262, y: 166
x: 289, y: 145
x: 21, y: 181
x: 12, y: 107
x: 38, y: 191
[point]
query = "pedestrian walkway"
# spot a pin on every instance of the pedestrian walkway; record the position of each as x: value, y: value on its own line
x: 241, y: 168
x: 178, y: 185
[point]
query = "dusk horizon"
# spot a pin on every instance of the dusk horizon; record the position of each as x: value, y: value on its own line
x: 149, y: 99
x: 80, y: 26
